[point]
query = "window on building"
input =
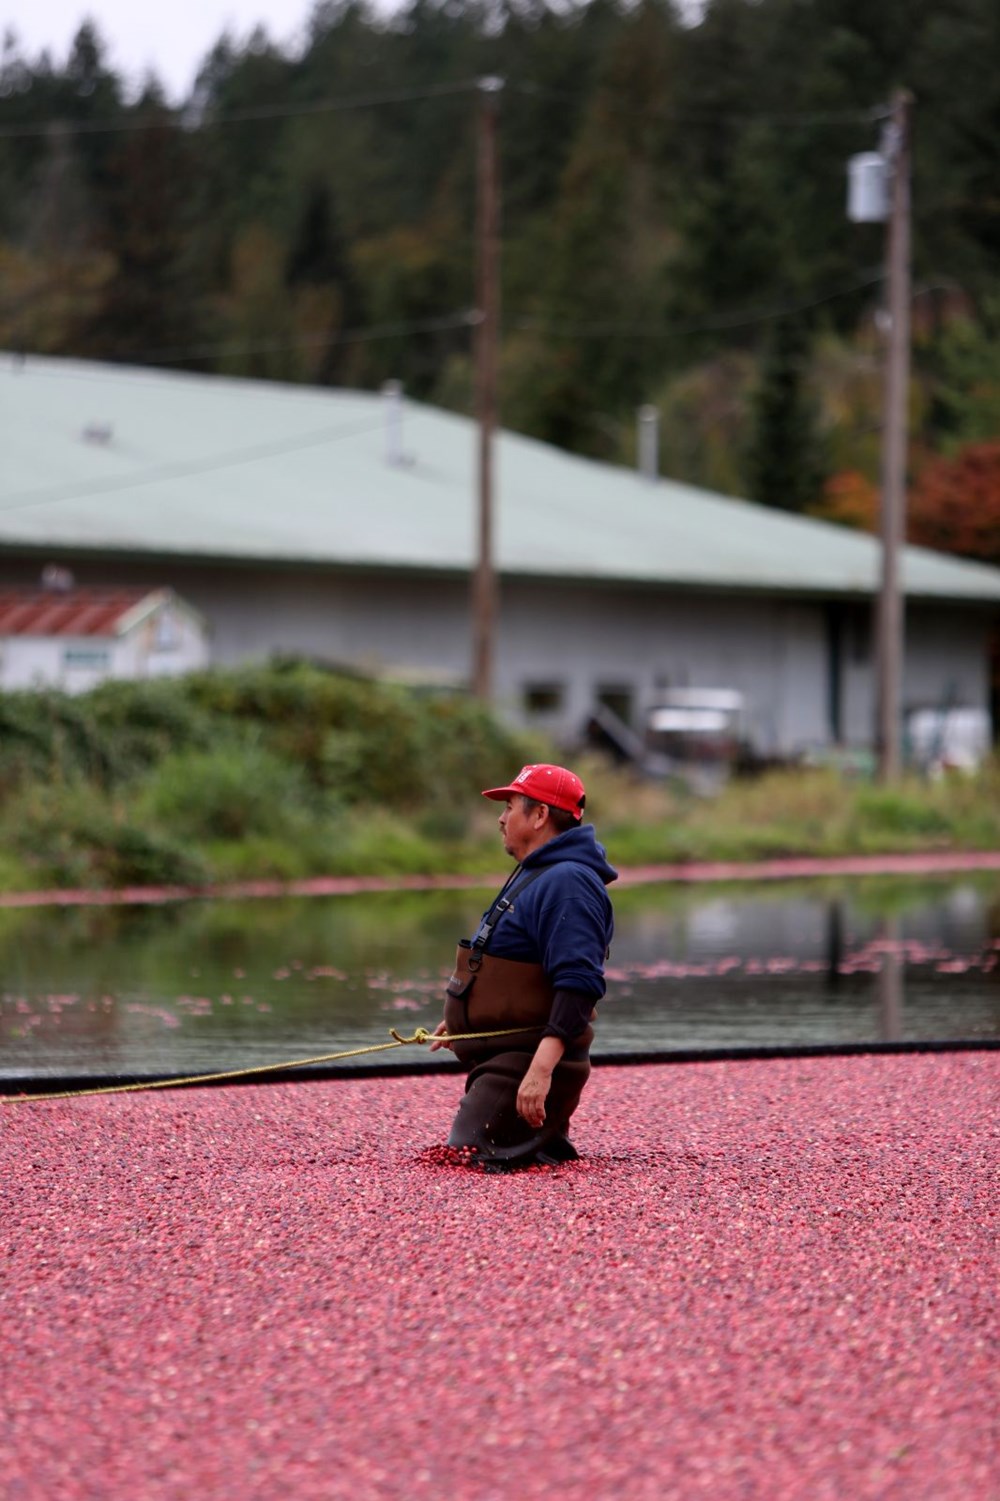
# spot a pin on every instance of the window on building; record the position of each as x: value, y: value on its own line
x: 86, y: 658
x: 167, y: 636
x: 618, y: 698
x: 543, y: 698
x: 860, y: 635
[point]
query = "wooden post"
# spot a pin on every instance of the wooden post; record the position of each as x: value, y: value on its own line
x: 890, y: 619
x: 484, y: 589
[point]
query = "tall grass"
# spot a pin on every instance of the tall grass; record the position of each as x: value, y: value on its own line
x: 791, y: 813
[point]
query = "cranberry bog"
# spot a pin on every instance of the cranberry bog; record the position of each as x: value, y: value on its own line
x: 768, y: 1278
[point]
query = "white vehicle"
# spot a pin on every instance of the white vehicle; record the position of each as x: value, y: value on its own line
x: 697, y: 734
x: 948, y: 739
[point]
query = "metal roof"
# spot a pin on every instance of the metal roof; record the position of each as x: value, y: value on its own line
x: 74, y: 612
x: 118, y: 459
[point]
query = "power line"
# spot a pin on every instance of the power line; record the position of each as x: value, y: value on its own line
x: 470, y: 318
x: 465, y: 319
x: 253, y: 454
x: 198, y: 353
x: 184, y: 120
x: 144, y: 363
x: 719, y: 323
x: 709, y: 114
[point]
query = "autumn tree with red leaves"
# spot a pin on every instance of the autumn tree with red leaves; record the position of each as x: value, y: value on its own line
x: 955, y: 507
x: 955, y: 504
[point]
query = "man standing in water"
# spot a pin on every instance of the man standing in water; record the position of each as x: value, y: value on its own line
x: 536, y: 963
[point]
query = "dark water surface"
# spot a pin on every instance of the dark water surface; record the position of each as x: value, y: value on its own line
x: 212, y: 985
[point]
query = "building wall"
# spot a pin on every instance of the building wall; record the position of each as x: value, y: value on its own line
x: 168, y: 642
x: 75, y: 663
x: 560, y: 645
x: 645, y: 642
x: 947, y: 660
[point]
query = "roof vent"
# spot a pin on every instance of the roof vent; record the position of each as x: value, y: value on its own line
x: 392, y: 391
x: 98, y: 432
x: 649, y: 442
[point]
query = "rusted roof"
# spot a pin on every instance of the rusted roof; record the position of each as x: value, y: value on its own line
x: 73, y: 612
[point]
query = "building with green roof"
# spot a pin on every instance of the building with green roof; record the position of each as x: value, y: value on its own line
x: 341, y: 526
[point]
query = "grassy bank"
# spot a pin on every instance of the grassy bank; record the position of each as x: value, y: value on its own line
x: 814, y: 813
x: 291, y: 771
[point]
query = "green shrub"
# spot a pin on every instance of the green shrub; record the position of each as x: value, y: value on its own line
x: 233, y: 792
x: 359, y: 740
x: 71, y: 836
x: 141, y: 722
x: 270, y: 857
x: 107, y: 737
x: 379, y: 843
x: 13, y: 872
x: 123, y: 855
x: 894, y: 810
x: 50, y: 736
x: 363, y: 741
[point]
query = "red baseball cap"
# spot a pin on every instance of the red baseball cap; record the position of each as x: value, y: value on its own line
x: 552, y: 785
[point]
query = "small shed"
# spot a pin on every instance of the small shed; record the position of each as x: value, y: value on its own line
x: 72, y: 638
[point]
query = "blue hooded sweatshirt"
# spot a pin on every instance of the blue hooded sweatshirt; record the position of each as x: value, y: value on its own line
x: 563, y: 919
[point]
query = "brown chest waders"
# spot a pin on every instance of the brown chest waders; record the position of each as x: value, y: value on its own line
x: 489, y: 994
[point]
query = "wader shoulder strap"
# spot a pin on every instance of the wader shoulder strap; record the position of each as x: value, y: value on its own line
x: 503, y: 903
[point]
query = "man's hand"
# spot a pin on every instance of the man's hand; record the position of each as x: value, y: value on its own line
x: 439, y: 1031
x: 537, y: 1081
x: 533, y: 1093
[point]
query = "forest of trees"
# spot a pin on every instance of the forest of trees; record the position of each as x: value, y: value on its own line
x: 674, y: 228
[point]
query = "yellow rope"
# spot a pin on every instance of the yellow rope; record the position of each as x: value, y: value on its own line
x: 421, y: 1035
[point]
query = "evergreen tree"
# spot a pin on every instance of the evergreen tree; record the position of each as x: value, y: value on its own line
x: 785, y: 466
x: 151, y: 310
x: 665, y: 187
x: 321, y: 278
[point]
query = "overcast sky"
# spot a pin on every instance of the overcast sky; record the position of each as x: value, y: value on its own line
x: 171, y: 37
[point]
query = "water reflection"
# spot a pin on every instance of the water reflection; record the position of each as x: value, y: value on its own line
x: 214, y: 985
x: 890, y: 982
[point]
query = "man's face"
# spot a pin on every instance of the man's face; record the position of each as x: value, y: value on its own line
x: 521, y: 827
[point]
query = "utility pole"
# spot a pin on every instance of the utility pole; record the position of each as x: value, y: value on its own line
x: 890, y: 616
x: 484, y: 589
